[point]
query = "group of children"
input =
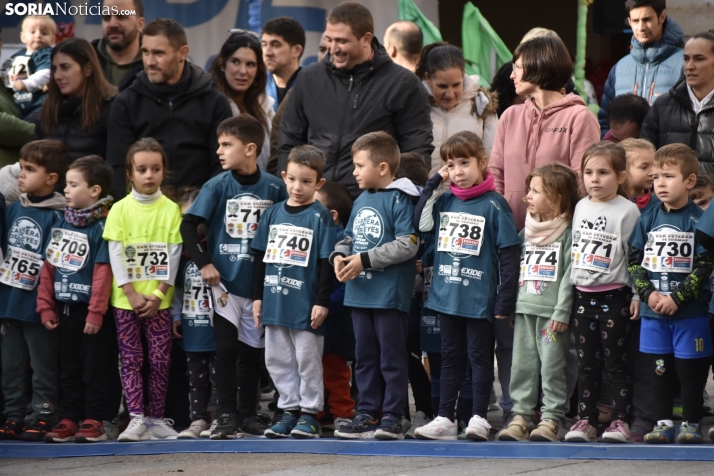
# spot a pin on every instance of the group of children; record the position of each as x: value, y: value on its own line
x: 252, y: 267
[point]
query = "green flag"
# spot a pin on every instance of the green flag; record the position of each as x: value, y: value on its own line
x: 409, y: 11
x: 484, y: 50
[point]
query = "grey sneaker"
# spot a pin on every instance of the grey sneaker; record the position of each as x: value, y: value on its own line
x: 194, y: 430
x: 161, y: 429
x: 111, y: 430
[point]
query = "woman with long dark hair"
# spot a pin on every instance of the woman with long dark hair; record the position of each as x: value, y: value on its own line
x: 78, y: 100
x: 240, y: 73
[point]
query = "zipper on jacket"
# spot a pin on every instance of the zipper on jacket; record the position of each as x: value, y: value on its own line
x: 342, y: 124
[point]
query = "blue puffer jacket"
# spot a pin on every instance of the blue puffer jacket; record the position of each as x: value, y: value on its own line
x: 648, y: 71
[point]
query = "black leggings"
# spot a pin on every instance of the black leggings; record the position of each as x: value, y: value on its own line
x: 419, y: 380
x: 246, y: 380
x: 692, y: 374
x: 602, y: 327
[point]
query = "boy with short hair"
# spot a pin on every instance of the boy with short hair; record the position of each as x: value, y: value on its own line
x: 231, y: 204
x: 73, y: 297
x: 376, y: 259
x: 23, y: 338
x: 27, y: 72
x: 291, y: 292
x: 339, y: 347
x: 625, y: 115
x: 671, y: 270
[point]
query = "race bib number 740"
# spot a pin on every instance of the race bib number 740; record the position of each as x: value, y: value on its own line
x: 289, y: 245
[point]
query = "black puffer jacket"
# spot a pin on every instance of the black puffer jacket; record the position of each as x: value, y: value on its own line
x: 672, y: 121
x: 330, y: 108
x: 185, y: 127
x: 79, y: 142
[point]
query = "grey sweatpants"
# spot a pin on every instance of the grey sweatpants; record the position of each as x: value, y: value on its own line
x: 294, y: 360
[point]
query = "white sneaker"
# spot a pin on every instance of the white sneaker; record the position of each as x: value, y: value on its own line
x: 207, y: 433
x: 111, y: 430
x: 135, y: 431
x: 418, y: 420
x: 161, y: 429
x: 440, y: 428
x: 193, y: 431
x: 478, y: 429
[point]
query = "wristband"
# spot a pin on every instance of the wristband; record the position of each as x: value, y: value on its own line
x: 159, y: 294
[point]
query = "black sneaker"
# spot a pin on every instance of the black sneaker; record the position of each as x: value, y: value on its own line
x: 390, y: 428
x: 362, y: 427
x: 11, y: 430
x: 254, y: 425
x: 227, y: 428
x: 36, y: 431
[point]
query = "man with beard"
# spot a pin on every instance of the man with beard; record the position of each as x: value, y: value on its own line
x: 119, y: 50
x: 175, y: 102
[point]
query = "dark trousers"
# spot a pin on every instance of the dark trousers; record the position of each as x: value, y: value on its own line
x: 692, y: 375
x: 642, y: 397
x: 478, y: 344
x: 381, y: 366
x: 87, y: 363
x: 602, y: 331
x: 228, y: 381
x: 200, y: 367
x: 419, y: 380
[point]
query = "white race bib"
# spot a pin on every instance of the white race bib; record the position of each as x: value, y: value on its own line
x: 540, y: 263
x: 289, y: 245
x: 242, y: 216
x: 196, y: 297
x: 460, y: 233
x: 593, y: 250
x: 21, y: 268
x: 147, y: 261
x: 68, y: 249
x: 669, y: 252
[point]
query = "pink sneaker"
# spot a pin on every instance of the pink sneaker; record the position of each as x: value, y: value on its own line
x: 617, y: 432
x: 582, y: 432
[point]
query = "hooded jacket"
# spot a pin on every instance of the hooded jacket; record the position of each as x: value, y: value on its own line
x: 185, y: 127
x: 528, y: 138
x: 648, y: 71
x: 475, y: 112
x: 329, y: 108
x: 672, y: 120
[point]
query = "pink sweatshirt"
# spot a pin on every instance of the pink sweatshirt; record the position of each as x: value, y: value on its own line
x: 528, y: 138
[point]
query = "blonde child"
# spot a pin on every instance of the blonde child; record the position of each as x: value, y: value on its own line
x: 545, y: 300
x: 27, y: 72
x: 604, y: 305
x: 475, y: 277
x: 144, y: 252
x: 640, y: 154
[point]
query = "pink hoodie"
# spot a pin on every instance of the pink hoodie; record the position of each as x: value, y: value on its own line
x: 528, y: 138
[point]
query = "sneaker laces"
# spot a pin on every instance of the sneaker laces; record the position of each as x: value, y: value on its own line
x: 581, y: 425
x: 135, y: 423
x: 214, y: 424
x: 165, y: 423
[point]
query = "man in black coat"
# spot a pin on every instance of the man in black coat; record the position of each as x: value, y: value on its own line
x: 356, y: 89
x: 172, y: 101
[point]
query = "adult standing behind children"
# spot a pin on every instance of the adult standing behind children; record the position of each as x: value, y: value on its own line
x: 549, y: 127
x: 173, y: 101
x: 78, y: 102
x: 283, y: 42
x: 239, y: 72
x: 119, y: 49
x: 655, y: 61
x: 403, y: 41
x: 355, y: 90
x: 686, y: 114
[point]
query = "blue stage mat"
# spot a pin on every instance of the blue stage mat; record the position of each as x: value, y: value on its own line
x: 452, y: 449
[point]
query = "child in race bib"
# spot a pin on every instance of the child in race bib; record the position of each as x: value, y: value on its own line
x: 604, y: 306
x: 144, y: 250
x: 545, y: 300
